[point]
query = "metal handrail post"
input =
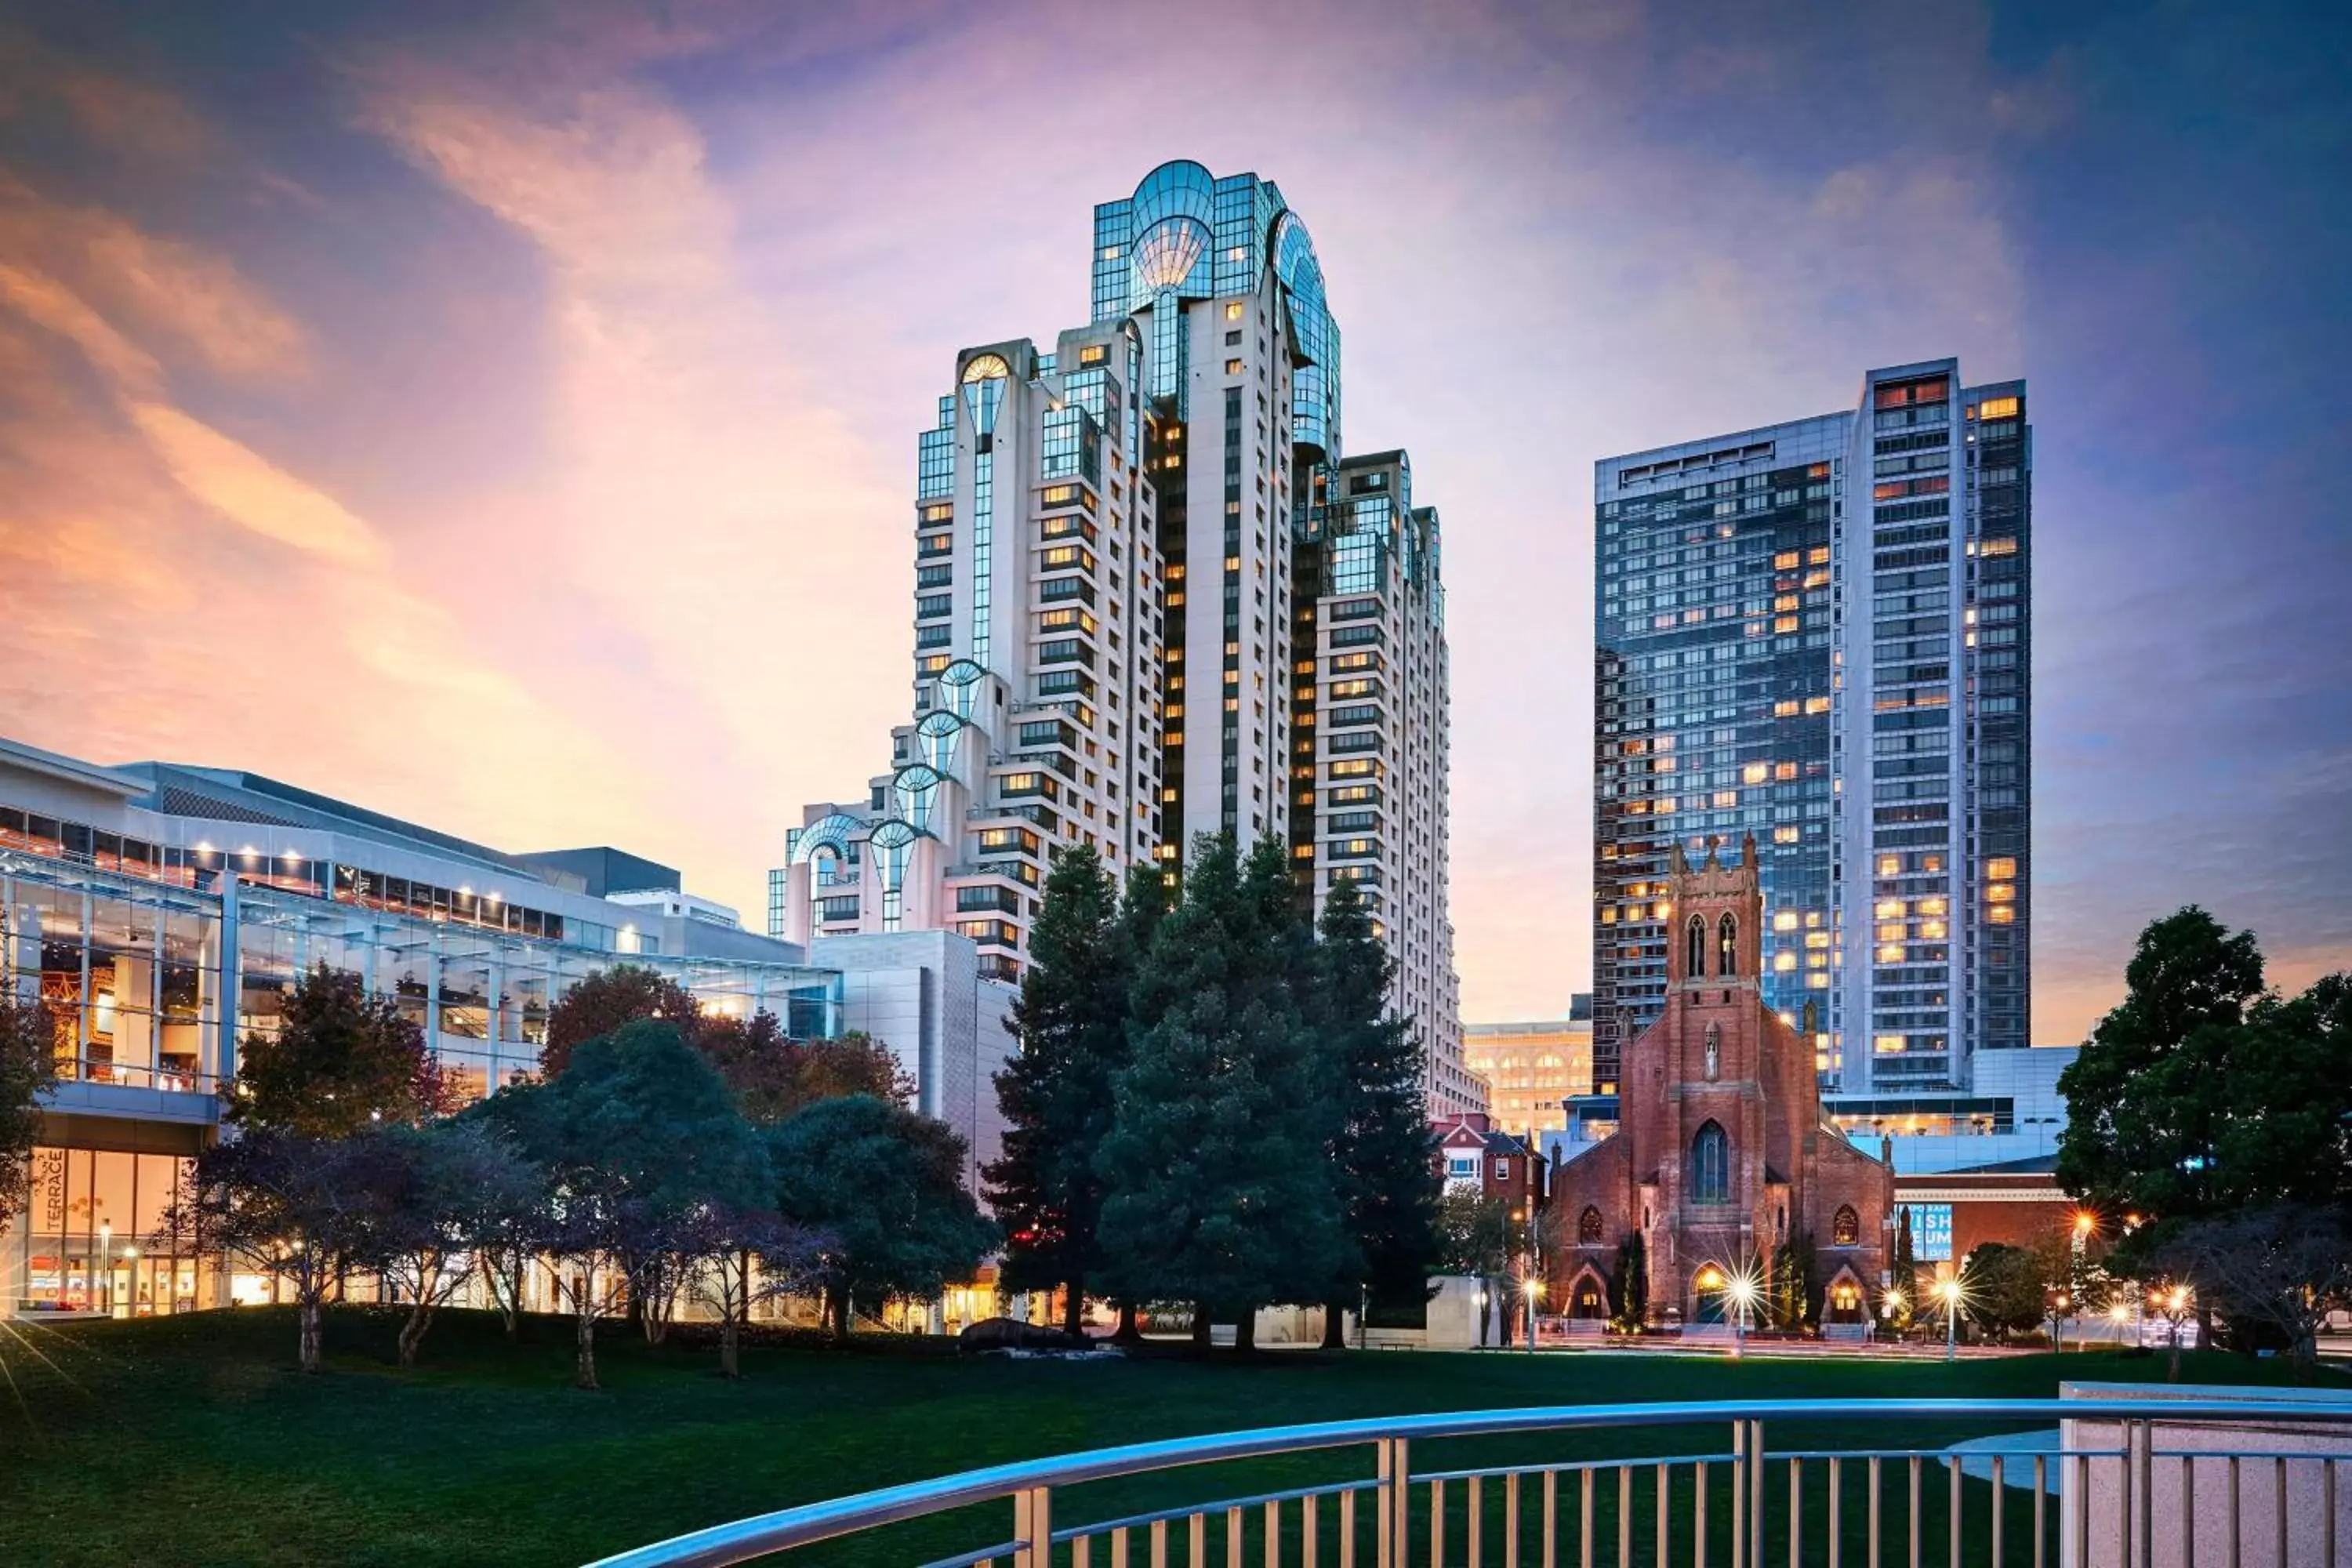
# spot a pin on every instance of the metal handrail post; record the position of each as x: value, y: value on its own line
x: 1033, y: 1527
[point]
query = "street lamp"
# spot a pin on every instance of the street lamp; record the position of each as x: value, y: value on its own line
x: 1534, y: 1291
x: 106, y: 1265
x: 1743, y: 1296
x: 1950, y: 1290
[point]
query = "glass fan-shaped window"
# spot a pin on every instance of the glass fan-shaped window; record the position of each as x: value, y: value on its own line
x: 1710, y: 1173
x: 1165, y: 256
x: 1694, y: 949
x: 985, y: 367
x: 1726, y: 947
x: 1846, y: 1227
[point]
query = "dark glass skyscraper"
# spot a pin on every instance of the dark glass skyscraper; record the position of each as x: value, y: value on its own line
x: 1815, y: 634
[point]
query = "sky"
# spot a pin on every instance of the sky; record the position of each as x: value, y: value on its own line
x: 504, y: 416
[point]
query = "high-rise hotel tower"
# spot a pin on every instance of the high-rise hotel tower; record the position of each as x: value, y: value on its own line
x: 1817, y: 633
x: 1152, y: 600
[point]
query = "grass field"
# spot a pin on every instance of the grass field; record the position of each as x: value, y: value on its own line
x: 193, y: 1441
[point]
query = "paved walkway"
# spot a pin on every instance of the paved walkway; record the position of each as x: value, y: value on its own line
x: 1976, y: 1456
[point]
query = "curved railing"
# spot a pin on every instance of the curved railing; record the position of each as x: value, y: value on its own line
x: 2246, y: 1482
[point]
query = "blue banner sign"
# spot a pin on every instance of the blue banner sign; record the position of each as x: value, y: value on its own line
x: 1931, y: 1231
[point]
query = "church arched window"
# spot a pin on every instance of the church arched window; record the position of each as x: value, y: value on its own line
x: 1726, y: 947
x: 1694, y: 949
x: 1845, y: 1226
x: 1711, y: 1165
x: 1588, y: 1226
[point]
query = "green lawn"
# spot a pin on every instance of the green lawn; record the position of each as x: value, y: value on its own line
x: 193, y: 1441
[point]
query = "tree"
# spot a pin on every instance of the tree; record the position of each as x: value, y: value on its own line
x: 1629, y: 1287
x: 1373, y: 1067
x: 881, y: 1184
x: 736, y: 1258
x: 1905, y: 1272
x: 1058, y: 1095
x: 602, y: 1002
x: 2143, y: 1095
x: 2008, y: 1288
x: 1796, y: 1282
x: 770, y: 1074
x: 855, y: 1064
x: 1217, y: 1168
x: 2273, y: 1272
x: 1480, y: 1237
x: 636, y: 1134
x: 28, y: 1068
x: 445, y: 1191
x: 341, y: 1061
x: 302, y: 1209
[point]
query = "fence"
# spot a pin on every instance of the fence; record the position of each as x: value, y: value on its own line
x: 1824, y: 1494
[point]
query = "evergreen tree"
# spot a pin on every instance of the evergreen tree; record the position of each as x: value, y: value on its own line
x: 1795, y: 1267
x: 1630, y: 1289
x: 1217, y: 1164
x: 1385, y: 1180
x: 1056, y: 1095
x: 1907, y: 1269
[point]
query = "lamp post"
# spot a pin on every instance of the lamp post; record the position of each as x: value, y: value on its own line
x: 106, y: 1265
x: 1742, y: 1289
x: 1950, y: 1291
x: 1533, y: 1293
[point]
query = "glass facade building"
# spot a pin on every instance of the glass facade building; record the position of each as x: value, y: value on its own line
x: 1129, y: 553
x: 1815, y: 634
x: 163, y: 913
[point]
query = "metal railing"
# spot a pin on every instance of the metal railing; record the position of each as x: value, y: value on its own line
x: 2121, y: 1504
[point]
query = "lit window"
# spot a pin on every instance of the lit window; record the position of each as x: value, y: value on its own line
x: 1110, y: 253
x: 1888, y: 865
x: 1784, y: 836
x: 1093, y: 353
x: 1785, y: 709
x: 2002, y: 914
x: 1889, y: 908
x: 1232, y: 367
x: 1783, y: 962
x: 1232, y: 310
x: 2001, y: 869
x: 1886, y: 1044
x: 1817, y: 704
x: 1997, y: 408
x: 1755, y: 772
x: 1785, y: 921
x: 1891, y: 954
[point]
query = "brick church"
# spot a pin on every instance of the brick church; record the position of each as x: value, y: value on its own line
x: 1721, y: 1155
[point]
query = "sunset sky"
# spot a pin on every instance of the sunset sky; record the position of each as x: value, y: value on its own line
x: 504, y: 417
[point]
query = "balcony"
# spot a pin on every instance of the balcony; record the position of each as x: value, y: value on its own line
x: 2146, y: 1479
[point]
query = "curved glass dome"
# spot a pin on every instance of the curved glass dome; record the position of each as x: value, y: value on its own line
x: 1165, y: 256
x: 1179, y: 188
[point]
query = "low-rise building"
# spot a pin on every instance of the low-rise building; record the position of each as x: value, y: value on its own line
x: 164, y: 912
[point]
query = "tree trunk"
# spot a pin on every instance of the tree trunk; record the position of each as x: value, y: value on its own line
x: 1245, y: 1330
x: 730, y: 1337
x: 1074, y: 1305
x: 2172, y: 1373
x: 1130, y: 1326
x: 585, y: 1376
x: 309, y: 1314
x: 412, y: 1333
x: 841, y: 1315
x: 1200, y: 1326
x: 1335, y: 1326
